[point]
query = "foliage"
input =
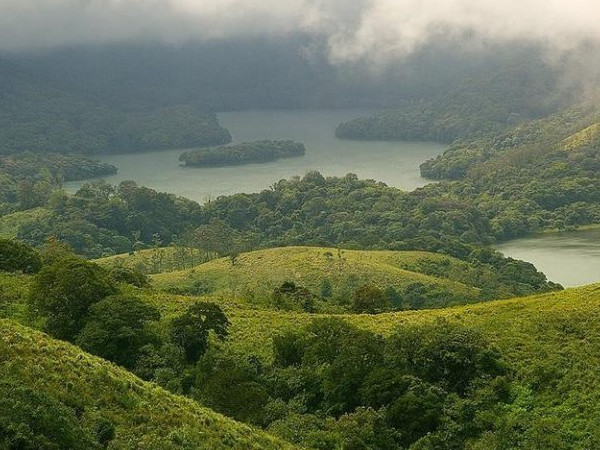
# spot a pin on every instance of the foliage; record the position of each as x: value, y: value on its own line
x: 291, y: 296
x: 230, y: 384
x: 16, y: 256
x: 487, y: 103
x: 79, y: 396
x: 191, y: 330
x: 38, y: 117
x: 63, y: 292
x: 117, y: 327
x: 34, y: 420
x: 129, y: 276
x: 243, y: 153
x: 370, y: 300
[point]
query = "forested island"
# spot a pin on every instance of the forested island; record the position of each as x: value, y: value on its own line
x: 243, y: 153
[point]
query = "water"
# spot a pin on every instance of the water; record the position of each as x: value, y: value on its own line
x: 394, y: 163
x: 571, y: 259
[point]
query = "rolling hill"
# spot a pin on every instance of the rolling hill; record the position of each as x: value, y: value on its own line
x: 256, y: 274
x: 92, y: 394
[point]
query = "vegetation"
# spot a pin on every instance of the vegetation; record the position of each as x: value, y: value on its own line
x: 479, y: 376
x: 16, y: 256
x: 63, y: 292
x: 308, y: 343
x: 56, y: 396
x: 330, y: 276
x: 243, y: 153
x: 38, y: 117
x: 489, y: 103
x: 117, y: 327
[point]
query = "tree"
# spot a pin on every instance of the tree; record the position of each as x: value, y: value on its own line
x: 16, y: 256
x: 290, y: 296
x: 117, y: 328
x: 369, y: 299
x: 444, y: 353
x: 191, y: 330
x: 326, y: 288
x: 229, y: 383
x: 63, y: 292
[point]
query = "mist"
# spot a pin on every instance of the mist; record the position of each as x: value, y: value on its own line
x: 373, y: 30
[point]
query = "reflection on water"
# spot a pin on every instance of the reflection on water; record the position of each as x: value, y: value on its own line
x: 571, y: 259
x: 395, y: 163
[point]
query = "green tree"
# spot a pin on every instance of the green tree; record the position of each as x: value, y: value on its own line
x: 190, y: 331
x: 117, y: 328
x: 16, y: 256
x: 369, y: 299
x: 444, y: 353
x: 63, y: 292
x: 230, y: 384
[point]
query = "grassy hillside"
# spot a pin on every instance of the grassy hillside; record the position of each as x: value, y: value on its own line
x: 143, y: 415
x: 588, y: 137
x: 551, y: 341
x: 261, y: 271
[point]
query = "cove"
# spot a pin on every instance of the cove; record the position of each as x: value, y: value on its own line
x: 570, y: 258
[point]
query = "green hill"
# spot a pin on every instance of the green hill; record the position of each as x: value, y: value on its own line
x: 255, y: 275
x: 550, y: 341
x: 96, y: 392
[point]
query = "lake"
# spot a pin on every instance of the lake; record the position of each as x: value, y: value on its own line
x: 394, y: 163
x: 571, y: 259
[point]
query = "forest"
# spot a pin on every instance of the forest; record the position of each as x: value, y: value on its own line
x: 243, y: 153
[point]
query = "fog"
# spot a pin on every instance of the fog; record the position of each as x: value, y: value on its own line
x: 374, y: 30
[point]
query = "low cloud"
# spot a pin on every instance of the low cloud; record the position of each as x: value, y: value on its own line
x: 354, y: 29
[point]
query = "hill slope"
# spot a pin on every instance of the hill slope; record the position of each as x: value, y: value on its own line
x: 143, y: 415
x: 258, y: 273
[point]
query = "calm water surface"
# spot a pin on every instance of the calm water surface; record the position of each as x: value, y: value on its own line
x: 571, y: 259
x: 395, y: 163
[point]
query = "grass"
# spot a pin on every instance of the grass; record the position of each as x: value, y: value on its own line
x: 156, y: 260
x: 589, y: 136
x: 256, y: 274
x: 144, y: 416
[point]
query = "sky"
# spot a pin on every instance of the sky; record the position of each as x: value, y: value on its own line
x: 353, y: 29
